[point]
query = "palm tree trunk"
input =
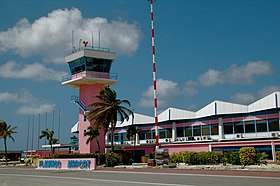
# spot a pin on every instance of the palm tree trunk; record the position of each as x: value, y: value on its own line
x: 51, y: 143
x: 51, y: 149
x: 134, y: 148
x: 98, y: 144
x: 112, y: 141
x: 6, y: 153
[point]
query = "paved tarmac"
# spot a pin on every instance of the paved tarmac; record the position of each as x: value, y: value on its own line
x: 15, y: 176
x: 245, y: 172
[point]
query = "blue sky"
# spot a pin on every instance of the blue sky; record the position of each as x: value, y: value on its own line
x: 206, y: 50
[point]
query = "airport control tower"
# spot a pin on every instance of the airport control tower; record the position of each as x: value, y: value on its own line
x: 90, y: 72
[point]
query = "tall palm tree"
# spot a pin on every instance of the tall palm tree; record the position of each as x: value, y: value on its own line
x: 93, y: 133
x: 131, y: 134
x: 108, y: 111
x: 49, y: 135
x: 6, y: 131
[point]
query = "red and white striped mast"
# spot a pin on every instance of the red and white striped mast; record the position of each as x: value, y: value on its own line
x: 154, y: 73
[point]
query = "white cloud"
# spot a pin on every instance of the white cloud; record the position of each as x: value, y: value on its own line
x: 243, y: 74
x: 50, y: 36
x: 189, y: 88
x: 247, y: 98
x: 166, y: 91
x: 242, y: 98
x: 33, y: 71
x: 28, y: 104
x: 265, y: 91
x: 23, y: 96
x: 35, y: 109
x: 192, y: 107
x: 210, y: 78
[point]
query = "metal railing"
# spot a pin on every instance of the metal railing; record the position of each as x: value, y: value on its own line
x: 91, y: 74
x: 102, y: 49
x: 76, y: 100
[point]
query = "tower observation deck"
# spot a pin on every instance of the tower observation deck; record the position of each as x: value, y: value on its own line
x: 90, y: 66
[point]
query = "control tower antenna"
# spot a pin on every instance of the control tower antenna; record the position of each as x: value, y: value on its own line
x: 154, y: 73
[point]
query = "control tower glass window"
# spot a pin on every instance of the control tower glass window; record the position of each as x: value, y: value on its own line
x: 90, y: 64
x: 98, y: 65
x: 77, y: 66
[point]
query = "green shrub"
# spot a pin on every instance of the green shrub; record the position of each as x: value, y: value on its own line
x: 278, y: 155
x: 215, y: 158
x: 260, y: 158
x: 184, y: 157
x: 247, y: 155
x: 190, y: 157
x: 202, y: 158
x: 195, y: 158
x: 176, y: 157
x: 113, y: 159
x: 234, y: 158
x: 231, y: 157
x: 127, y: 157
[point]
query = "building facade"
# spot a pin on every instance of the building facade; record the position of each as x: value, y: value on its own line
x: 219, y: 126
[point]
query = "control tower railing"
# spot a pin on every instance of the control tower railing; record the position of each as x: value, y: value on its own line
x: 81, y: 105
x: 102, y: 49
x: 90, y: 74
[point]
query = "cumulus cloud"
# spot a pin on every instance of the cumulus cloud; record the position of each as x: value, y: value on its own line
x: 192, y: 107
x: 35, y: 109
x: 247, y: 98
x: 166, y: 91
x: 190, y: 88
x: 50, y: 36
x: 210, y: 78
x: 265, y: 91
x: 242, y: 98
x: 34, y: 71
x: 28, y: 104
x: 243, y: 74
x: 23, y: 96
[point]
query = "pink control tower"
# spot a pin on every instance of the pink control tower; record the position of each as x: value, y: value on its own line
x: 90, y: 72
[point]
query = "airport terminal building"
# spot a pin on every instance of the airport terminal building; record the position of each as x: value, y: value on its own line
x: 219, y: 126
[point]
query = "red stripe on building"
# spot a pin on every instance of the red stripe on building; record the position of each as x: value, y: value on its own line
x: 273, y: 116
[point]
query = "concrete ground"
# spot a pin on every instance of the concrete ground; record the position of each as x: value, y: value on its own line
x: 269, y: 170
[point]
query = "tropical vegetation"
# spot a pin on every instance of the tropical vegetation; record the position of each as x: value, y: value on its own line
x: 49, y: 135
x: 93, y: 133
x: 245, y: 156
x: 107, y: 111
x: 131, y: 135
x: 6, y: 132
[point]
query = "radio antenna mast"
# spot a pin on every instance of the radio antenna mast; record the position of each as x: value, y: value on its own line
x: 154, y: 73
x: 73, y: 48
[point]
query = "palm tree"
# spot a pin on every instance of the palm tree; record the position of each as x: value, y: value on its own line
x: 93, y: 133
x: 49, y: 135
x: 6, y: 131
x: 108, y: 111
x: 131, y: 134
